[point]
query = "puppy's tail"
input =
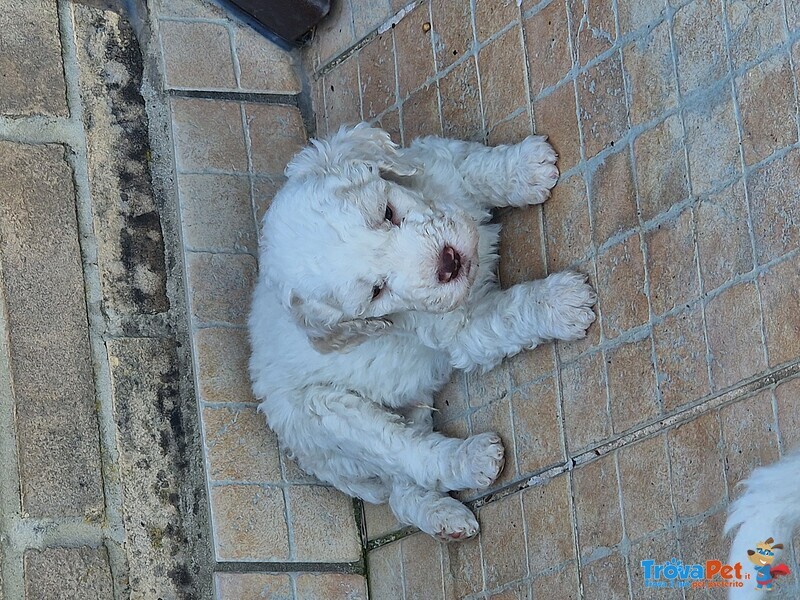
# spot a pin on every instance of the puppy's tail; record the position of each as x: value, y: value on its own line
x: 769, y: 507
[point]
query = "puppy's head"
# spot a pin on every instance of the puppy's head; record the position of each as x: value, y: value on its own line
x: 348, y: 244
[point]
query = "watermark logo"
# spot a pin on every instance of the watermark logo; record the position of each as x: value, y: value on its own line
x: 763, y: 558
x: 710, y: 574
x: 716, y: 574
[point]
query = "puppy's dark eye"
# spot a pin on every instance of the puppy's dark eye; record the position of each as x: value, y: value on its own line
x: 389, y: 214
x: 376, y: 291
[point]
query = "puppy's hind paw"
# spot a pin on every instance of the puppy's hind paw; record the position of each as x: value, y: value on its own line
x: 451, y: 521
x: 570, y: 299
x: 483, y: 460
x: 535, y: 172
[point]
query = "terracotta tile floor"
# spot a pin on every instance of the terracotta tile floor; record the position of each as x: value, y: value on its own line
x: 677, y: 127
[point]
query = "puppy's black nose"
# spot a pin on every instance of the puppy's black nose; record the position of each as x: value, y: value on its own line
x: 449, y: 264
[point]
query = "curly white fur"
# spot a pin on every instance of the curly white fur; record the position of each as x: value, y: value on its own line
x: 354, y: 326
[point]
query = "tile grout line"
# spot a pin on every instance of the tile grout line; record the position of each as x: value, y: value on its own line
x: 106, y: 422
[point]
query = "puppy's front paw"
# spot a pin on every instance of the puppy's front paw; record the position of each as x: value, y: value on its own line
x: 483, y: 461
x: 570, y: 300
x: 451, y: 521
x: 535, y: 173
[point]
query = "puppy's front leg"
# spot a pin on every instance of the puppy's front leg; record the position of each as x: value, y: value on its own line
x: 522, y: 317
x: 506, y: 175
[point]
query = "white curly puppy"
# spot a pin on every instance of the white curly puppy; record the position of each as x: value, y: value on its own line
x: 377, y: 279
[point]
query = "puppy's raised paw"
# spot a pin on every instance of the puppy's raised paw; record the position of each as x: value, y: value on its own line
x: 533, y: 171
x: 482, y: 459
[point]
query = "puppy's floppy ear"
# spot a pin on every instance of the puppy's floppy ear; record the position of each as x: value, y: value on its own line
x: 362, y: 144
x: 326, y: 329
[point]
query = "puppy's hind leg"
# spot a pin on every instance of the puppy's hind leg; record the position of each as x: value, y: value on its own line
x: 341, y: 437
x: 435, y: 513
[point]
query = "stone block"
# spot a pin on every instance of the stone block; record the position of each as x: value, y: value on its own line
x: 422, y: 567
x: 537, y: 427
x: 671, y: 263
x: 342, y: 95
x: 414, y: 50
x: 547, y: 46
x: 556, y: 117
x: 737, y: 352
x: 385, y: 578
x: 613, y: 196
x: 723, y: 237
x: 660, y: 167
x: 68, y: 574
x: 632, y: 385
x: 648, y: 63
x: 217, y: 213
x: 750, y: 431
x: 421, y: 114
x: 503, y: 541
x: 697, y: 475
x: 593, y: 30
x: 249, y: 523
x: 646, y: 489
x: 222, y: 355
x: 378, y: 79
x: 712, y: 141
x: 331, y: 586
x: 160, y: 466
x: 33, y: 80
x: 240, y: 446
x: 502, y: 72
x: 681, y: 359
x: 621, y: 286
x: 585, y: 410
x: 127, y: 220
x: 567, y: 231
x: 452, y: 31
x: 221, y: 286
x: 264, y: 67
x: 323, y: 525
x: 548, y: 520
x: 276, y: 135
x: 51, y: 365
x: 208, y: 135
x: 597, y: 505
x: 461, y: 105
x: 602, y: 109
x: 186, y: 67
x: 699, y: 34
x: 253, y: 586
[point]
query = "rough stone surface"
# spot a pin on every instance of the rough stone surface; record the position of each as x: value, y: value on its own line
x: 188, y: 68
x: 253, y: 586
x: 163, y: 503
x: 332, y: 586
x: 249, y: 523
x: 31, y: 82
x: 51, y: 368
x: 317, y: 510
x: 127, y: 221
x: 68, y: 574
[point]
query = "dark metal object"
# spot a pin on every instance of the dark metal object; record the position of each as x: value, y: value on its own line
x: 284, y: 22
